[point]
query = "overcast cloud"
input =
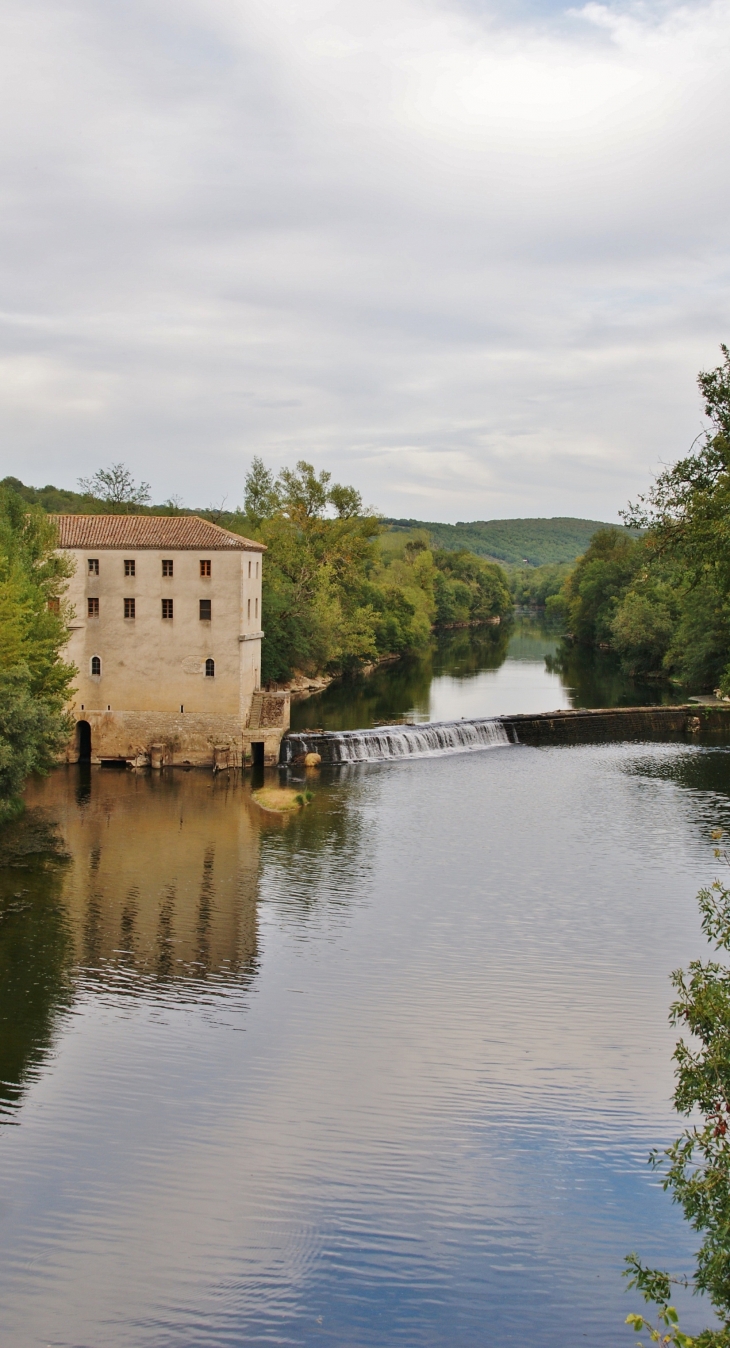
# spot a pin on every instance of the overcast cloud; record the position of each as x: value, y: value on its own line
x: 468, y: 256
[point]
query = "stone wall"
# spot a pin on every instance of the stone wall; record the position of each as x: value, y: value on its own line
x: 618, y: 723
x: 166, y: 739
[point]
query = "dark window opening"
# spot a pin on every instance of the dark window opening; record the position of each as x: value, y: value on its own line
x: 167, y: 608
x: 92, y: 608
x: 167, y: 567
x: 210, y: 669
x: 129, y: 567
x: 95, y: 664
x: 93, y: 566
x: 205, y: 568
x: 257, y: 608
x: 205, y: 610
x: 257, y: 570
x: 257, y: 754
x: 249, y: 570
x: 249, y: 608
x: 129, y: 607
x: 83, y: 741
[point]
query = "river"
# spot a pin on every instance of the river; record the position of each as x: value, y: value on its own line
x: 522, y: 666
x: 385, y: 1073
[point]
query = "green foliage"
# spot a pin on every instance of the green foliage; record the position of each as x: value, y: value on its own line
x: 34, y: 680
x: 328, y: 603
x: 535, y: 542
x: 591, y: 593
x: 661, y: 602
x: 468, y: 589
x: 643, y: 626
x: 116, y: 489
x: 696, y: 1167
x: 531, y: 587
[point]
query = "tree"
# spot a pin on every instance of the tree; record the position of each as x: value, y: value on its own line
x: 261, y: 500
x: 696, y: 1167
x: 34, y: 679
x: 600, y: 578
x: 687, y: 511
x: 116, y: 487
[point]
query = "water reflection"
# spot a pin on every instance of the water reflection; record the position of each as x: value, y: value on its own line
x: 35, y: 951
x: 521, y: 666
x: 370, y: 1075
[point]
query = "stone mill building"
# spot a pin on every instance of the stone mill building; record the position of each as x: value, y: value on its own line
x: 166, y: 636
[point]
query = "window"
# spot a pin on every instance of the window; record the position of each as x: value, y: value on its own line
x: 54, y: 605
x: 167, y: 608
x: 129, y: 567
x: 249, y: 608
x: 95, y: 666
x: 205, y: 610
x: 249, y: 570
x: 92, y: 608
x: 205, y: 568
x: 257, y: 570
x: 210, y: 669
x: 257, y: 608
x: 93, y: 566
x: 129, y: 608
x: 167, y: 567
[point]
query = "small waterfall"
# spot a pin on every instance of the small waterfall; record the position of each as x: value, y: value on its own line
x: 395, y: 741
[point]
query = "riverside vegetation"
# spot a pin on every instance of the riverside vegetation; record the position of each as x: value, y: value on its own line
x: 660, y: 601
x: 696, y: 1167
x: 34, y: 680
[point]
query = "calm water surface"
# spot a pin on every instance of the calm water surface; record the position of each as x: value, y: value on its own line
x: 386, y: 1073
x: 521, y: 666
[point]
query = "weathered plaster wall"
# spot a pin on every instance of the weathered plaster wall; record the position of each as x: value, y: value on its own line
x: 149, y: 663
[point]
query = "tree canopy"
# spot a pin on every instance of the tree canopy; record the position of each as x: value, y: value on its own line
x: 34, y: 679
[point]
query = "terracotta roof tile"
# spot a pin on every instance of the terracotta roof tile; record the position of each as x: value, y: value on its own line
x: 148, y: 531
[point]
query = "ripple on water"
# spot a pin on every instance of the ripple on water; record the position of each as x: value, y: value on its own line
x: 385, y: 1074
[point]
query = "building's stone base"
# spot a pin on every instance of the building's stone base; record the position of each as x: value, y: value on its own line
x: 164, y: 739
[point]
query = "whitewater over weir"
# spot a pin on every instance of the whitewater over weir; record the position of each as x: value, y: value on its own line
x: 397, y: 741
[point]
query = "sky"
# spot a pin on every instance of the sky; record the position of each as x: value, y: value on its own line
x: 467, y: 256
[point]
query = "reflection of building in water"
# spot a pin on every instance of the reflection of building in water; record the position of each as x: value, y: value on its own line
x: 164, y: 872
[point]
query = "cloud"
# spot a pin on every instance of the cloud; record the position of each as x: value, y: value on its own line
x: 470, y: 258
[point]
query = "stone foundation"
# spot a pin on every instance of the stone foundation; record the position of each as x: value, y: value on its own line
x: 165, y: 739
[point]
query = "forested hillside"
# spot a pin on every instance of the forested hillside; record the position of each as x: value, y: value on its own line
x: 535, y: 541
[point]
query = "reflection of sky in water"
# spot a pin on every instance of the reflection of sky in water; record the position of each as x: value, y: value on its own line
x: 417, y: 1107
x: 521, y: 684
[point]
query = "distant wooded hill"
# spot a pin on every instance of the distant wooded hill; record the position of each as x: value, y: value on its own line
x: 515, y: 542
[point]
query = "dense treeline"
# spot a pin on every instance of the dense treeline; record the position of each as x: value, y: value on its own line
x: 332, y: 599
x: 34, y: 680
x: 661, y: 601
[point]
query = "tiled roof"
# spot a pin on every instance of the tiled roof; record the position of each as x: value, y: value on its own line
x: 148, y: 531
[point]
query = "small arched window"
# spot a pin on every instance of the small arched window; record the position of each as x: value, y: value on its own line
x: 95, y: 665
x: 210, y: 669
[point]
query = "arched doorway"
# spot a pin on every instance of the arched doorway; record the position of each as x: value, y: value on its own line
x: 83, y: 741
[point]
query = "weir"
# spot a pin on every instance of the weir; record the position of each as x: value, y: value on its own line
x: 396, y: 741
x: 690, y: 722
